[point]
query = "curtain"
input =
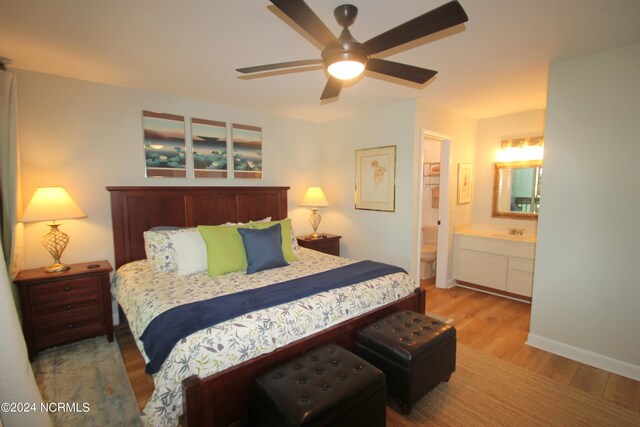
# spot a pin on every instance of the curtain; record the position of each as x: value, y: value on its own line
x: 10, y: 191
x: 17, y: 382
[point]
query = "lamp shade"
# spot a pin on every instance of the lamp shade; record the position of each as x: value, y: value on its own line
x: 314, y: 197
x: 50, y: 204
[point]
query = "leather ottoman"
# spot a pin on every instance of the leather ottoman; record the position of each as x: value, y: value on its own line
x: 414, y: 351
x: 327, y: 386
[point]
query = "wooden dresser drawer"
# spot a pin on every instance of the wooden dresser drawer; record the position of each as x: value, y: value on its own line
x: 64, y: 289
x: 52, y: 334
x: 81, y: 320
x: 329, y: 244
x: 326, y: 247
x: 65, y: 306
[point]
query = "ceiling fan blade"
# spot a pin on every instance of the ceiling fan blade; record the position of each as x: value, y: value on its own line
x: 279, y: 65
x: 441, y: 18
x: 302, y: 15
x: 401, y: 71
x: 332, y: 89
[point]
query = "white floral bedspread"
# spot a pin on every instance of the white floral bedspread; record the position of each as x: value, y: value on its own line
x: 144, y: 294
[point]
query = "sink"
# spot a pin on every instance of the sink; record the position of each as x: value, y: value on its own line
x: 507, y: 236
x: 529, y: 238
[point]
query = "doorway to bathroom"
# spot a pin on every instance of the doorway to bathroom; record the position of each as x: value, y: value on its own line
x: 433, y: 224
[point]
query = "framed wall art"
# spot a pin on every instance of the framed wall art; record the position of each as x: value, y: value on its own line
x: 164, y: 145
x: 465, y: 187
x: 209, y: 146
x: 376, y: 179
x: 247, y: 151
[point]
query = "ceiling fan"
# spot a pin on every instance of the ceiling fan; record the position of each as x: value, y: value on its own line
x: 345, y: 58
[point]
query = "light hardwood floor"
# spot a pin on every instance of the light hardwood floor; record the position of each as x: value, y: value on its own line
x: 499, y: 326
x: 491, y: 324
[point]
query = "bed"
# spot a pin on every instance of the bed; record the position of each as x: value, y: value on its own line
x: 222, y: 398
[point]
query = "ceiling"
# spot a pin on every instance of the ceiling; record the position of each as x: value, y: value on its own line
x: 494, y: 64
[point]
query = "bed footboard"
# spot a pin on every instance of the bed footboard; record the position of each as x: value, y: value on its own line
x: 222, y: 399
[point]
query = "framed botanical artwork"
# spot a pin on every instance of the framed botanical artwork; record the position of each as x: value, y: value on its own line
x: 465, y: 177
x: 247, y: 151
x: 209, y: 146
x: 376, y: 178
x: 164, y: 145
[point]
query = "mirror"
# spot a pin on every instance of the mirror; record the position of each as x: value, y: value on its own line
x: 516, y: 189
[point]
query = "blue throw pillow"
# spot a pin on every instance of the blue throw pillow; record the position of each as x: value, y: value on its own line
x: 263, y: 248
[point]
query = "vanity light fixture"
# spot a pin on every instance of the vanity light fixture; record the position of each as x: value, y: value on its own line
x: 521, y: 149
x: 532, y: 141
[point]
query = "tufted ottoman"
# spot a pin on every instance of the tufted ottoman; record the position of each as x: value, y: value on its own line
x: 414, y: 351
x: 326, y: 386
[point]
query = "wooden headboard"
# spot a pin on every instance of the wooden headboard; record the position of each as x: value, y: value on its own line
x: 135, y: 210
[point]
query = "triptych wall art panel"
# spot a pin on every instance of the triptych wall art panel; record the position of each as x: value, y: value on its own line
x: 247, y: 151
x: 209, y: 146
x: 164, y: 145
x: 170, y: 152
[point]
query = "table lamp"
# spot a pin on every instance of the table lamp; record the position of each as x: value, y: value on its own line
x: 315, y: 198
x: 53, y: 204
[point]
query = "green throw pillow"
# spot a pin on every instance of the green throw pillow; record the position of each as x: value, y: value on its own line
x: 225, y: 250
x: 285, y: 224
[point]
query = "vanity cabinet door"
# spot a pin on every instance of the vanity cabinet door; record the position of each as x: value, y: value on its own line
x: 519, y: 282
x: 520, y: 276
x: 482, y: 269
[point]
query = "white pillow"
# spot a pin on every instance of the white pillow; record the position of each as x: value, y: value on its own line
x: 191, y: 252
x: 159, y: 248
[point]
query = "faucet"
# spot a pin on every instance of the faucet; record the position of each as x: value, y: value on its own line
x: 515, y: 231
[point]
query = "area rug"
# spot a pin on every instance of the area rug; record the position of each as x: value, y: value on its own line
x: 486, y: 391
x: 89, y: 377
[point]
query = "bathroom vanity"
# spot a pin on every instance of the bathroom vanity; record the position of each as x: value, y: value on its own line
x: 495, y: 261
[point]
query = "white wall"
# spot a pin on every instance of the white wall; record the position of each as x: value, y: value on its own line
x: 381, y: 236
x: 391, y: 237
x: 586, y: 292
x: 86, y: 136
x: 461, y: 131
x: 491, y: 131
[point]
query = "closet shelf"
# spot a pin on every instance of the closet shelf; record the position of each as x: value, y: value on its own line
x: 431, y: 174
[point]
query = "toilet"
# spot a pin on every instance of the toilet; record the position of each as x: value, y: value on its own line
x: 428, y: 251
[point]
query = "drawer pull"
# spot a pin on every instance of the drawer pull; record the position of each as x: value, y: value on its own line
x: 69, y: 306
x: 70, y: 326
x: 66, y: 288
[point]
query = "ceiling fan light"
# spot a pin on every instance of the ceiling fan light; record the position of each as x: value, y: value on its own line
x: 346, y: 70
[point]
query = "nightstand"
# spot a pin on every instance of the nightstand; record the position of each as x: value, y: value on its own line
x: 328, y: 243
x: 66, y: 306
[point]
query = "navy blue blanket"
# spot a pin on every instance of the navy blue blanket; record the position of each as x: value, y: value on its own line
x: 177, y: 323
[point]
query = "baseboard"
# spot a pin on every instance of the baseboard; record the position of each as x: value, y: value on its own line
x: 585, y: 356
x: 450, y: 283
x: 488, y: 291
